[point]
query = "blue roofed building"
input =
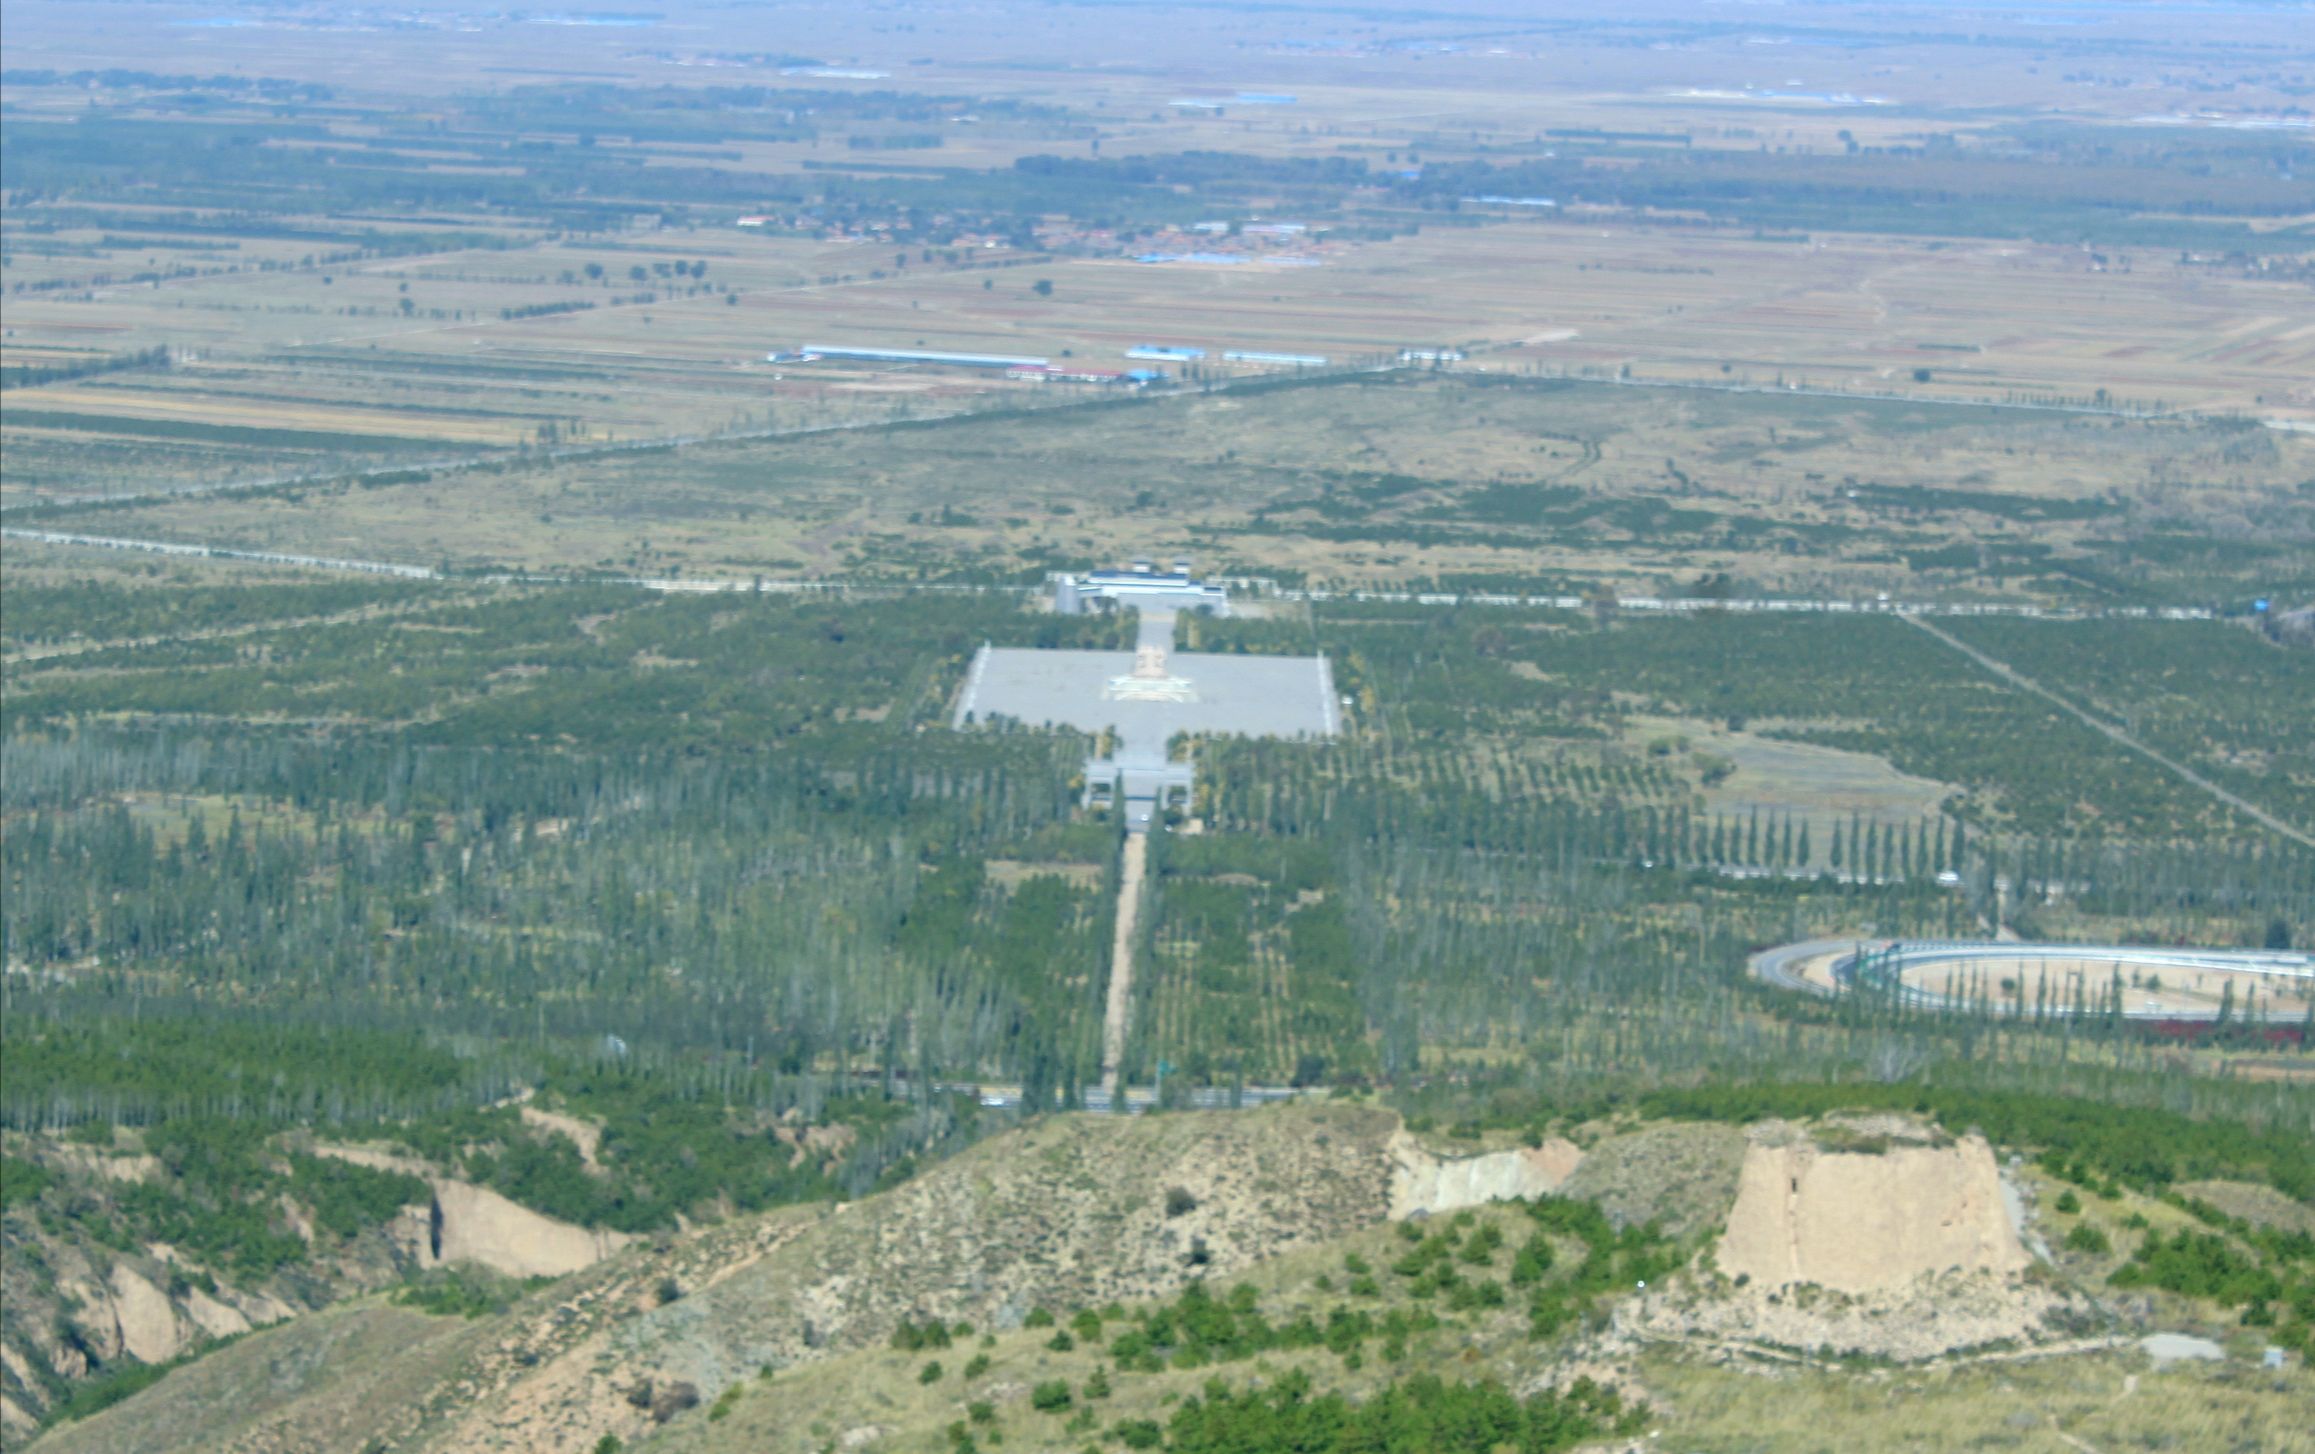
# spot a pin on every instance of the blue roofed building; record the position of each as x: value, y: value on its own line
x: 1141, y: 585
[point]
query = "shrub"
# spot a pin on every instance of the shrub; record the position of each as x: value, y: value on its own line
x: 1424, y: 1412
x: 1479, y: 1249
x: 672, y: 1398
x: 1180, y: 1201
x: 1051, y: 1396
x: 2067, y: 1202
x: 930, y: 1373
x: 108, y: 1387
x: 908, y: 1337
x: 464, y: 1291
x: 1532, y: 1261
x: 2086, y: 1238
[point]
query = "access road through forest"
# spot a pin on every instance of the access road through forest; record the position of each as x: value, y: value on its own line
x: 2017, y: 678
x: 1120, y: 1009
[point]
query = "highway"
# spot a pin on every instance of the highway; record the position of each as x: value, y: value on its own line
x: 1258, y: 586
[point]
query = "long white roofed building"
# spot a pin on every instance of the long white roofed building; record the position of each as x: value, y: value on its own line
x: 1141, y: 585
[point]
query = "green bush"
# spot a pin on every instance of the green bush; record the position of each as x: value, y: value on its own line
x: 22, y: 1181
x: 1421, y: 1413
x: 463, y: 1291
x: 345, y: 1197
x: 108, y: 1387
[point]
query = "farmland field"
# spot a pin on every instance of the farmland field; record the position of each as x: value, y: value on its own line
x: 358, y: 286
x: 479, y: 353
x: 1521, y: 483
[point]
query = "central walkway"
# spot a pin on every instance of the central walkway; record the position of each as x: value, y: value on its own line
x: 1143, y: 774
x: 1120, y: 1010
x: 1137, y: 704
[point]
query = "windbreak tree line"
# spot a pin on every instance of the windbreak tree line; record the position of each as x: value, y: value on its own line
x: 730, y: 829
x: 730, y: 845
x: 803, y: 916
x: 1511, y: 856
x: 1866, y: 683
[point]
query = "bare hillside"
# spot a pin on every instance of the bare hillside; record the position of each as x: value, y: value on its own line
x: 1063, y: 1256
x: 1067, y: 1212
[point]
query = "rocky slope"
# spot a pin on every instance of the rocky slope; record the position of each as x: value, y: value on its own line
x: 82, y: 1296
x: 1805, y: 1238
x: 79, y: 1300
x: 1067, y: 1212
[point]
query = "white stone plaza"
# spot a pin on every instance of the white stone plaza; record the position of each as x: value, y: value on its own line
x: 1148, y: 696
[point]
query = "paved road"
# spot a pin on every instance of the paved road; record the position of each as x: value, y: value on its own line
x: 1929, y: 401
x: 1775, y: 966
x: 2017, y: 678
x: 836, y: 585
x: 1009, y: 402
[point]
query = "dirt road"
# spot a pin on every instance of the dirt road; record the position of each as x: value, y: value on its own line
x: 1120, y: 1011
x: 2017, y: 678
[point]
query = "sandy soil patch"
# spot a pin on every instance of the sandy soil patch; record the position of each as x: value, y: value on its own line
x: 1424, y: 1183
x: 1011, y: 873
x: 1926, y: 1318
x: 475, y: 1224
x: 2146, y: 990
x: 147, y: 1319
x: 2253, y: 1203
x: 585, y: 1135
x: 108, y: 1165
x: 374, y: 1158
